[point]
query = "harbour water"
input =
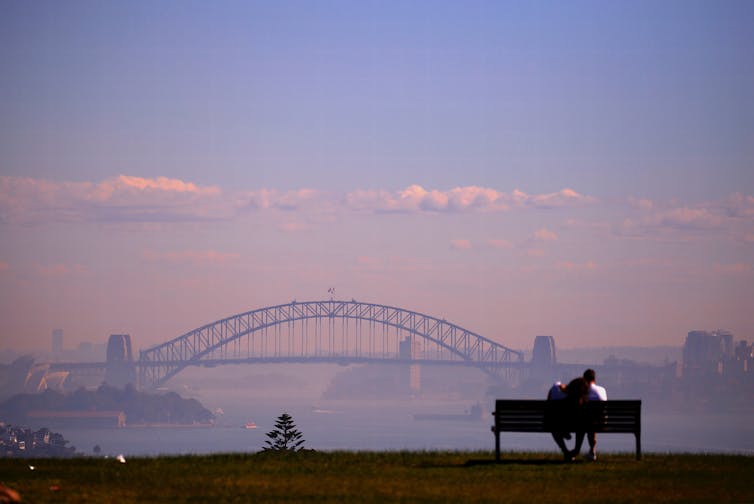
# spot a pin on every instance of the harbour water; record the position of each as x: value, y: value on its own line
x: 390, y: 425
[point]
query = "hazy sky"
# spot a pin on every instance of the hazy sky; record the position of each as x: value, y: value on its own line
x: 579, y: 169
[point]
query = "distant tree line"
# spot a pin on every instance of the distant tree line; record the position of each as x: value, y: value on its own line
x: 139, y: 407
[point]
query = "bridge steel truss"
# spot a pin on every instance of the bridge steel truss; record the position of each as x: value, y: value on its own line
x: 327, y: 331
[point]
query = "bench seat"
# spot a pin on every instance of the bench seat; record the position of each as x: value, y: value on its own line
x: 526, y: 415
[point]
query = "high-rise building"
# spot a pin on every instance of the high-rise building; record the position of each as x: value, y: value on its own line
x: 726, y: 340
x: 705, y: 351
x: 57, y: 343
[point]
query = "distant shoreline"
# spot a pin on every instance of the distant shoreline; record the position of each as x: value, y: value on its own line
x: 163, y: 425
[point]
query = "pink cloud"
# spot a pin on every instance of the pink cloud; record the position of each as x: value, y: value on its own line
x: 120, y: 199
x: 413, y: 198
x: 499, y: 244
x: 544, y: 235
x: 734, y: 268
x: 733, y: 216
x: 473, y: 197
x: 391, y: 264
x: 4, y: 266
x: 293, y: 227
x: 130, y: 199
x: 685, y: 217
x: 58, y: 270
x: 532, y: 246
x: 370, y: 200
x: 264, y: 199
x: 162, y: 184
x: 641, y: 203
x: 573, y: 267
x: 368, y: 261
x: 416, y: 198
x: 191, y: 256
x: 740, y: 205
x: 460, y: 244
x: 564, y: 197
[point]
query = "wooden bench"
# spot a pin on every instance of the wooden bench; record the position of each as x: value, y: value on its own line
x: 517, y: 415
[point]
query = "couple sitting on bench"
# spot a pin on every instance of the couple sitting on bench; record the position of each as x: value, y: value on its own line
x: 568, y: 416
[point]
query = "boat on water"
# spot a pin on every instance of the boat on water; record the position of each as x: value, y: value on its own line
x: 250, y: 425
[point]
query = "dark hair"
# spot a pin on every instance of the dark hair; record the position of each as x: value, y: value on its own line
x: 577, y: 390
x: 589, y: 375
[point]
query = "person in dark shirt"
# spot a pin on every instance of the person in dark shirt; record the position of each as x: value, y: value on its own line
x: 561, y: 416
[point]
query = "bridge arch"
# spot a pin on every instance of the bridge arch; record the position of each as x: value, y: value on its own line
x: 325, y: 331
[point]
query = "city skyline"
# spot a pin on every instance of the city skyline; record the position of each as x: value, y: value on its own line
x: 520, y: 169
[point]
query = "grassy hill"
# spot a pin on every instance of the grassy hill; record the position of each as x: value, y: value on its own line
x: 384, y: 477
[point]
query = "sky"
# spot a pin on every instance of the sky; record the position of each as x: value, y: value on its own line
x: 577, y: 169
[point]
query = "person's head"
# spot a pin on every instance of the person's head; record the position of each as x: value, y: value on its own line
x: 577, y: 390
x: 590, y: 376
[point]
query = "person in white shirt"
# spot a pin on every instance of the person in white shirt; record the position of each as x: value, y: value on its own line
x: 596, y: 393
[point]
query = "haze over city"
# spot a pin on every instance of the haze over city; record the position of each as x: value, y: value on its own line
x: 582, y: 170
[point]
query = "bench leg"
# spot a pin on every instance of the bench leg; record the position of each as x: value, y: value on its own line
x: 638, y: 445
x: 497, y: 446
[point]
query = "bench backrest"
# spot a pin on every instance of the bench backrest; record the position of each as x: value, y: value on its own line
x: 526, y: 415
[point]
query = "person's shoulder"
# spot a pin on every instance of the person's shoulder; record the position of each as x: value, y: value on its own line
x: 556, y: 391
x: 598, y: 391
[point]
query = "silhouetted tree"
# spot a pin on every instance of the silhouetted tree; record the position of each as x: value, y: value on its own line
x: 285, y: 436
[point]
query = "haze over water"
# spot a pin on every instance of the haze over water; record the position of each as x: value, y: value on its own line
x: 390, y: 425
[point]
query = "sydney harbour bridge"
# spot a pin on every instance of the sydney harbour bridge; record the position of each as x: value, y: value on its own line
x: 330, y: 331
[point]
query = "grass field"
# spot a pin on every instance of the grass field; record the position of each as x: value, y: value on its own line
x: 384, y: 477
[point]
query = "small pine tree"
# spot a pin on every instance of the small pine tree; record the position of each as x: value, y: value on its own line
x: 285, y: 436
